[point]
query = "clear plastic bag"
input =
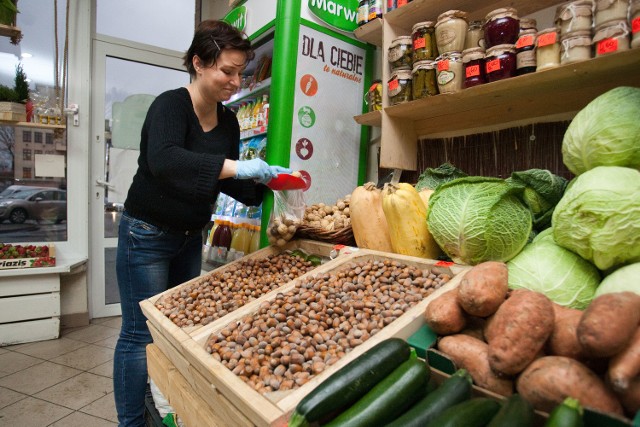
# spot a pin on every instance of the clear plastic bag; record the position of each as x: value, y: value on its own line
x: 286, y: 216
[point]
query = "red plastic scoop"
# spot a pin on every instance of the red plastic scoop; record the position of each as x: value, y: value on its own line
x: 285, y: 181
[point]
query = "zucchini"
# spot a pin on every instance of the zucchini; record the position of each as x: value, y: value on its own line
x: 476, y: 412
x: 351, y: 382
x: 515, y: 411
x: 567, y: 414
x: 387, y: 399
x: 453, y: 390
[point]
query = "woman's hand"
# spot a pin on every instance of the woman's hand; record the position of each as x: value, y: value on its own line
x: 258, y: 169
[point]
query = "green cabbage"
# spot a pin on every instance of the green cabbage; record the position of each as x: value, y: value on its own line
x: 605, y: 133
x: 477, y: 219
x: 564, y: 277
x: 431, y: 178
x: 625, y: 278
x: 599, y: 216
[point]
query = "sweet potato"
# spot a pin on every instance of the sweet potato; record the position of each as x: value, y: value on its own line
x: 564, y: 340
x: 624, y: 366
x: 443, y: 314
x: 608, y: 323
x: 549, y: 380
x: 484, y: 288
x: 471, y: 354
x: 631, y: 397
x: 520, y: 329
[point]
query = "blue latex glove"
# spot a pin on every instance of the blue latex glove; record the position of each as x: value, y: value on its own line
x: 259, y: 170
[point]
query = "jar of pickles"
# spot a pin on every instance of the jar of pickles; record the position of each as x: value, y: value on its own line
x: 547, y: 49
x: 474, y: 71
x: 501, y: 27
x: 610, y: 10
x: 575, y: 47
x: 500, y: 62
x: 450, y: 72
x: 373, y: 98
x: 475, y: 35
x: 451, y: 30
x: 612, y: 36
x: 525, y: 52
x: 574, y: 16
x: 634, y: 19
x: 424, y: 79
x: 400, y: 52
x: 399, y: 86
x: 423, y: 35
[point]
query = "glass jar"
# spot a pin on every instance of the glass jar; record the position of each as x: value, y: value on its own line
x: 375, y: 9
x: 424, y: 79
x: 391, y: 4
x: 526, y: 52
x: 634, y: 18
x: 450, y: 72
x: 547, y: 49
x: 451, y: 30
x: 474, y: 72
x: 399, y: 86
x: 501, y: 27
x: 373, y: 98
x: 475, y: 35
x: 363, y: 12
x: 574, y: 16
x: 528, y: 24
x: 500, y: 62
x: 400, y: 52
x: 423, y: 35
x: 575, y: 47
x: 612, y: 36
x: 610, y: 10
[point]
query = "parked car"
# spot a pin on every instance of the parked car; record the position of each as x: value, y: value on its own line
x: 9, y: 192
x: 44, y: 204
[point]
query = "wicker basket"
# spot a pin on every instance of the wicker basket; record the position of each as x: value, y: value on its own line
x: 343, y: 236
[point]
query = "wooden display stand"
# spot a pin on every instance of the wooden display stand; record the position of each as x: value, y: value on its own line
x: 236, y: 403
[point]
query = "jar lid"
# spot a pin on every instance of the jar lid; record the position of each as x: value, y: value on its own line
x: 571, y: 10
x: 425, y: 64
x: 610, y: 29
x: 401, y: 73
x: 425, y: 24
x: 451, y: 14
x: 576, y: 38
x: 401, y: 40
x: 528, y: 24
x: 476, y: 24
x: 472, y: 54
x: 635, y: 7
x: 501, y: 48
x: 453, y: 56
x: 527, y: 32
x: 606, y: 4
x: 503, y: 12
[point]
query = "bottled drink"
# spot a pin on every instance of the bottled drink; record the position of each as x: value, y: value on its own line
x: 254, y: 245
x: 263, y: 115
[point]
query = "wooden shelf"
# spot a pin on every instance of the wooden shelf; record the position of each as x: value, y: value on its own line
x: 372, y: 118
x: 371, y: 32
x: 32, y: 125
x: 9, y: 31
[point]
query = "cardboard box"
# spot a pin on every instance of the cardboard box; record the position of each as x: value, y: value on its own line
x: 25, y: 260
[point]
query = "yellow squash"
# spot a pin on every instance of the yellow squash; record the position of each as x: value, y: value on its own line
x: 406, y: 216
x: 368, y: 222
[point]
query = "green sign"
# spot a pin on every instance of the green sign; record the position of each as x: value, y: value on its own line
x: 340, y: 14
x: 237, y: 17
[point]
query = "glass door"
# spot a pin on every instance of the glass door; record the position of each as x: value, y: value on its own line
x: 126, y: 81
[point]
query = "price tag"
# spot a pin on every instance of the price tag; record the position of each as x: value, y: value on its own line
x: 493, y: 65
x: 443, y: 264
x: 525, y: 41
x: 419, y: 43
x: 607, y: 46
x: 393, y: 84
x: 635, y: 25
x: 373, y: 87
x: 472, y: 71
x: 402, y: 2
x: 547, y: 39
x: 443, y: 65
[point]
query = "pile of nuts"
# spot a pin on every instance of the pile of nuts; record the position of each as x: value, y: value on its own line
x: 218, y: 293
x: 305, y: 330
x: 281, y: 229
x: 328, y: 218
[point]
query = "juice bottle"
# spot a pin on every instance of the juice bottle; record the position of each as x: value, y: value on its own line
x: 255, y: 112
x: 244, y: 238
x: 254, y: 245
x: 225, y: 234
x: 246, y: 118
x: 235, y: 237
x: 263, y: 113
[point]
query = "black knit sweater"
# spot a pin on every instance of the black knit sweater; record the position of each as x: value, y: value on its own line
x: 177, y: 179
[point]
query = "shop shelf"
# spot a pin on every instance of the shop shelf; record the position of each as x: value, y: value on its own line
x: 371, y: 32
x: 372, y: 118
x: 9, y: 31
x: 251, y: 92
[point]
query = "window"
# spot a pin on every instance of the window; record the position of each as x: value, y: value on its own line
x: 48, y: 138
x: 26, y: 173
x: 26, y: 136
x: 37, y: 151
x: 26, y: 154
x: 37, y: 137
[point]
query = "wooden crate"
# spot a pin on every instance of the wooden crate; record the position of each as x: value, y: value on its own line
x: 187, y: 353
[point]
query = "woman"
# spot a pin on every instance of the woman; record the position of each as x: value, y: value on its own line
x: 188, y: 154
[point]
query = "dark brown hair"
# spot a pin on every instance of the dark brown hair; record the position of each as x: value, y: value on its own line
x: 211, y: 38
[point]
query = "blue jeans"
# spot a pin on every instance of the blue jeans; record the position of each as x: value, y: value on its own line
x: 149, y: 261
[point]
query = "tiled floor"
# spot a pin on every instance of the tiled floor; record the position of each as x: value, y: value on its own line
x: 64, y: 382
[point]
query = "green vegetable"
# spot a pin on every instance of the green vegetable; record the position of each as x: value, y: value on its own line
x: 476, y: 412
x: 314, y: 259
x: 605, y: 133
x: 431, y: 178
x: 453, y: 390
x: 599, y: 216
x: 477, y: 219
x: 516, y: 411
x: 623, y: 279
x: 542, y: 192
x: 563, y: 276
x: 387, y: 399
x: 351, y: 382
x: 567, y: 414
x: 544, y: 235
